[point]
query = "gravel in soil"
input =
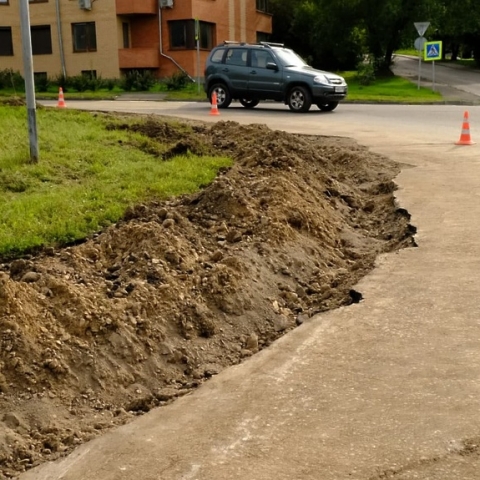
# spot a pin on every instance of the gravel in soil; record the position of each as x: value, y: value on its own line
x: 94, y: 334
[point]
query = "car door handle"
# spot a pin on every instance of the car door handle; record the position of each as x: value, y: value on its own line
x: 253, y: 72
x: 226, y: 70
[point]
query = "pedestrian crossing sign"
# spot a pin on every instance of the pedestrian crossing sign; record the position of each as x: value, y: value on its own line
x: 432, y: 51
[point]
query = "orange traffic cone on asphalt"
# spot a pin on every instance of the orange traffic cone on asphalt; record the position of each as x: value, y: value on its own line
x: 61, y: 100
x: 465, y: 138
x: 214, y: 109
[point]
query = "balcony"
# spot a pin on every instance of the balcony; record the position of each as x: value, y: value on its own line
x: 138, y: 58
x: 137, y: 7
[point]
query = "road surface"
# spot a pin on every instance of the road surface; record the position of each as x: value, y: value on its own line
x: 385, y: 389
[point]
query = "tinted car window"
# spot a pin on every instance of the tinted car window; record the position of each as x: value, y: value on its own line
x: 236, y: 56
x: 290, y: 58
x: 260, y: 58
x: 217, y: 55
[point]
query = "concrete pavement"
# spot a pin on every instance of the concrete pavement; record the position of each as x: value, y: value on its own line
x: 388, y: 388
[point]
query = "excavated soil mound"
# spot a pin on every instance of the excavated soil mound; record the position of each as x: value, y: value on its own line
x: 94, y: 334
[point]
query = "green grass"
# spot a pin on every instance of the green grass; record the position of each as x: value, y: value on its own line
x: 86, y: 177
x: 465, y: 62
x: 388, y: 90
x: 407, y: 51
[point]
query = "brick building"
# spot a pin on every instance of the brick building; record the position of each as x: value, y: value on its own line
x: 109, y: 37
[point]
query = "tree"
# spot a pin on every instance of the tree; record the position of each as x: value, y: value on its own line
x: 326, y: 33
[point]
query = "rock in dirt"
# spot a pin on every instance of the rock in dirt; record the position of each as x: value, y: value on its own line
x: 149, y: 308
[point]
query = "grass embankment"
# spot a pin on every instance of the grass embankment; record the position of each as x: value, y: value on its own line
x: 87, y: 175
x: 388, y: 90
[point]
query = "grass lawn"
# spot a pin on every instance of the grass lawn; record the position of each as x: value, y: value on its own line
x: 87, y: 175
x: 388, y: 90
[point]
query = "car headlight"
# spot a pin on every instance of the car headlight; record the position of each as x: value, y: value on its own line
x: 321, y: 79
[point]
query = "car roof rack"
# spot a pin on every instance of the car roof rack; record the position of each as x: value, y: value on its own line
x: 272, y: 44
x: 263, y: 44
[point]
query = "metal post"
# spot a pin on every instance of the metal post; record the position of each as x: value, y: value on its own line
x: 29, y: 81
x: 433, y: 75
x: 419, y: 68
x: 197, y: 38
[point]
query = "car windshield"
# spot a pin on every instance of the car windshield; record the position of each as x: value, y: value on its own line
x: 289, y: 58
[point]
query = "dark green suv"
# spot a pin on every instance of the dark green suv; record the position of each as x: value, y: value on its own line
x: 269, y: 71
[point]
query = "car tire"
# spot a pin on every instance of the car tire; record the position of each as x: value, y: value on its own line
x: 299, y: 99
x: 247, y: 103
x: 328, y: 106
x: 224, y: 98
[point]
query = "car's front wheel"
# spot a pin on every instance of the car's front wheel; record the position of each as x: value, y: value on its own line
x: 224, y: 99
x: 328, y: 106
x: 247, y: 103
x: 299, y: 99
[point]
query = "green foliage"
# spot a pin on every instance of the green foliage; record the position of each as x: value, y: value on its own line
x: 138, y: 80
x: 83, y: 83
x: 388, y: 89
x: 10, y: 79
x: 42, y: 83
x: 177, y: 81
x: 336, y: 35
x: 88, y: 174
x: 365, y: 72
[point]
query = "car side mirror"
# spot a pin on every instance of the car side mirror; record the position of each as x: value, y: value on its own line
x: 272, y: 66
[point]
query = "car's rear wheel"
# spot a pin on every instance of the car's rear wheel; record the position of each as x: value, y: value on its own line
x: 224, y: 99
x: 247, y: 103
x: 299, y: 99
x: 327, y: 106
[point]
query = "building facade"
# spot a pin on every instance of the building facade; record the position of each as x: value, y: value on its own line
x: 109, y: 37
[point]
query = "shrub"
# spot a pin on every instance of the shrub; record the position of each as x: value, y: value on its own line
x: 109, y: 83
x: 177, y: 81
x: 139, y: 80
x: 11, y: 79
x: 42, y: 83
x: 366, y: 72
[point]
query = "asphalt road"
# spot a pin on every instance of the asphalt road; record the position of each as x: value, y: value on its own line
x: 385, y: 389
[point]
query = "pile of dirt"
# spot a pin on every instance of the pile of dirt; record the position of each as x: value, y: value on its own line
x: 94, y: 334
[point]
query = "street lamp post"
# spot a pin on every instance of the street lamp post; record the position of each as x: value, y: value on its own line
x: 29, y: 82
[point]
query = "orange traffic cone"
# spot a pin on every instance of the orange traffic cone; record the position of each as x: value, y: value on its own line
x: 61, y: 100
x: 465, y: 136
x: 214, y: 109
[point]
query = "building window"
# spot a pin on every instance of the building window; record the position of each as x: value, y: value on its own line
x: 3, y: 2
x: 262, y: 5
x: 6, y: 44
x: 207, y: 33
x: 183, y: 34
x: 41, y: 40
x: 37, y: 1
x: 40, y: 76
x: 263, y: 37
x: 126, y: 35
x: 84, y: 37
x: 91, y: 74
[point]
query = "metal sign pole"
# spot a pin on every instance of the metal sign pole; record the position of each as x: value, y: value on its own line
x: 29, y: 81
x: 419, y: 69
x: 197, y: 38
x: 421, y: 28
x: 433, y: 75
